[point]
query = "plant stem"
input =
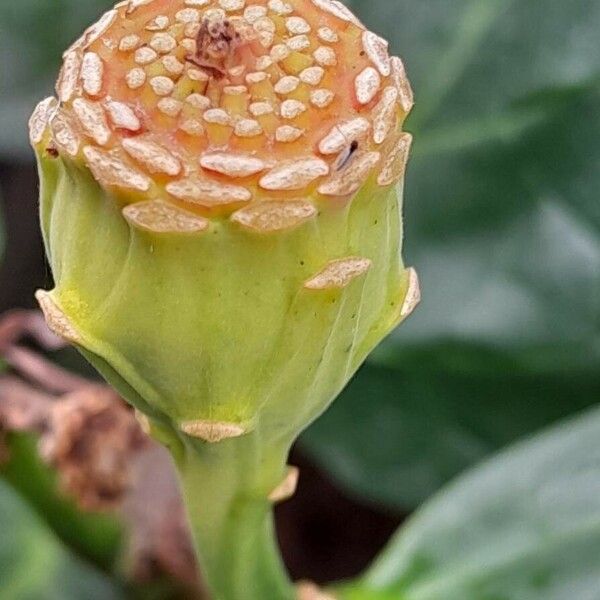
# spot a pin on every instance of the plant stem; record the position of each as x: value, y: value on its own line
x: 225, y: 488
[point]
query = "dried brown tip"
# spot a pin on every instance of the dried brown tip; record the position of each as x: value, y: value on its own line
x: 287, y: 488
x: 339, y: 273
x: 210, y: 105
x: 213, y: 431
x: 57, y: 321
x: 217, y: 41
x: 413, y: 293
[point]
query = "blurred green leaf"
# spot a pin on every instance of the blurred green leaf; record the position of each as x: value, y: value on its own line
x: 525, y: 525
x: 94, y: 536
x: 503, y: 225
x: 34, y: 565
x: 33, y: 36
x: 398, y: 434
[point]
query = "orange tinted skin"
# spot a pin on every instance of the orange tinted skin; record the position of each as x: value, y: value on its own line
x: 315, y: 122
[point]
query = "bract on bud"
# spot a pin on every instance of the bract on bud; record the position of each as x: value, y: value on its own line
x: 221, y: 207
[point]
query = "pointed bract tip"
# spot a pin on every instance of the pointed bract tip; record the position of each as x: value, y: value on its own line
x: 287, y: 488
x: 413, y: 293
x: 56, y: 319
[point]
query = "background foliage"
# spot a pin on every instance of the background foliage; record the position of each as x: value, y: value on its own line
x: 526, y: 525
x: 35, y: 565
x: 503, y: 224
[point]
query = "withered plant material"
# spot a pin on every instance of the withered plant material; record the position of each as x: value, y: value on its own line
x: 159, y: 541
x: 309, y: 591
x: 103, y: 459
x: 23, y: 407
x: 92, y: 439
x: 42, y: 372
x: 17, y: 324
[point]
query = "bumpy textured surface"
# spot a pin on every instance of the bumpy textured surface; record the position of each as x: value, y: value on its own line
x: 220, y: 210
x: 217, y: 106
x: 221, y: 207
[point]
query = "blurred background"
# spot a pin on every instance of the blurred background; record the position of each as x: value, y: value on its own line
x: 502, y: 218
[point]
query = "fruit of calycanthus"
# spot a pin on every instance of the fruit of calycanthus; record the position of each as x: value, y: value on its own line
x: 221, y: 208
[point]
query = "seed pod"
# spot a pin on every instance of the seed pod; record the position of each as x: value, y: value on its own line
x: 221, y: 207
x: 221, y: 198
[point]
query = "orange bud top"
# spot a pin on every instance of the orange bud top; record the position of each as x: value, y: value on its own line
x: 213, y: 105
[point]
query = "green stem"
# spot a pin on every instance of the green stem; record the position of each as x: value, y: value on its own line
x: 226, y: 487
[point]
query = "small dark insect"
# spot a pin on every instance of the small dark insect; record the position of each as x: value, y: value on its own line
x: 52, y: 151
x: 345, y: 155
x: 216, y: 44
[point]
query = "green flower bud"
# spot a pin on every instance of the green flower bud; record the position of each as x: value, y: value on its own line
x: 221, y: 208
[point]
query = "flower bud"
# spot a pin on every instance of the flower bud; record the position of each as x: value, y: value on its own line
x: 221, y: 207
